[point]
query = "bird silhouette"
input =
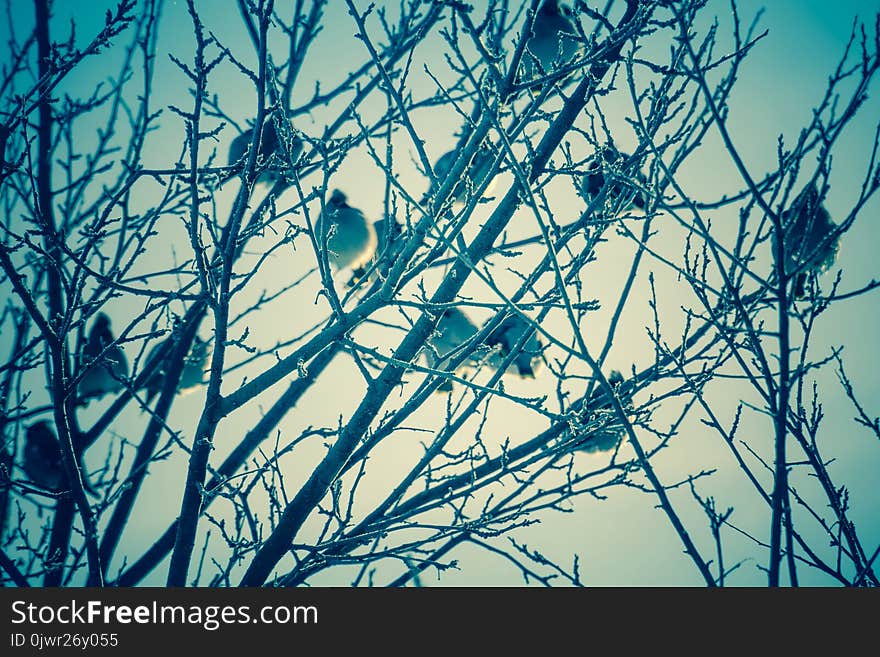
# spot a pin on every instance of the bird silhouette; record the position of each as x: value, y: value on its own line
x: 453, y: 330
x: 191, y: 376
x: 276, y: 155
x: 810, y: 242
x: 42, y: 457
x: 598, y: 428
x: 104, y: 363
x: 473, y: 177
x: 349, y: 239
x: 528, y: 361
x: 553, y: 41
x: 604, y: 167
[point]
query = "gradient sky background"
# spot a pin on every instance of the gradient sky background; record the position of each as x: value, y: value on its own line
x: 623, y: 540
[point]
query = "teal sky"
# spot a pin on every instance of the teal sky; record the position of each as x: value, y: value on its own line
x: 624, y: 539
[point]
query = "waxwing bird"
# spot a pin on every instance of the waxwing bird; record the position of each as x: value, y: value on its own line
x: 505, y: 337
x: 349, y: 239
x: 279, y: 149
x: 553, y: 42
x: 453, y: 330
x: 104, y: 362
x: 191, y: 376
x: 605, y: 167
x: 388, y: 233
x: 809, y: 238
x: 42, y: 462
x: 474, y: 175
x: 599, y: 429
x: 42, y: 457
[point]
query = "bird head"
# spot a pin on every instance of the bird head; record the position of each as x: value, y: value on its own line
x: 810, y: 195
x: 605, y: 160
x: 199, y: 350
x: 549, y: 8
x: 803, y: 208
x: 40, y: 433
x: 338, y: 199
x: 607, y: 157
x: 239, y: 145
x: 444, y: 163
x: 100, y: 335
x: 102, y: 321
x: 594, y: 178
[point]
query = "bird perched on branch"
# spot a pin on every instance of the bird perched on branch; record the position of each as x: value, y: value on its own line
x: 605, y: 168
x: 473, y: 177
x: 191, y: 376
x: 388, y: 233
x: 453, y: 330
x: 104, y: 362
x: 346, y: 235
x: 279, y: 149
x: 42, y: 457
x: 553, y: 41
x: 504, y: 338
x: 598, y: 428
x: 810, y: 241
